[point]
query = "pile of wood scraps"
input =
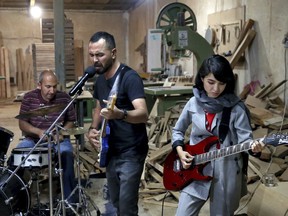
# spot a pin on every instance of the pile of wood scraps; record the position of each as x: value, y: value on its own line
x: 159, y: 135
x: 266, y: 109
x: 272, y: 160
x: 88, y: 161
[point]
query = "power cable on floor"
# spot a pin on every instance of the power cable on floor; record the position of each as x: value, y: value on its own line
x: 162, y: 208
x: 258, y: 184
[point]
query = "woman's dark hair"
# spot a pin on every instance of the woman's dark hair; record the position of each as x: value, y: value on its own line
x: 220, y: 67
x: 110, y: 42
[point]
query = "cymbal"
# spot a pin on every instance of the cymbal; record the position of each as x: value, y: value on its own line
x: 74, y: 131
x: 41, y: 111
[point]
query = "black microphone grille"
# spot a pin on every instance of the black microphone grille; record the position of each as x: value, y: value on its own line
x: 90, y: 71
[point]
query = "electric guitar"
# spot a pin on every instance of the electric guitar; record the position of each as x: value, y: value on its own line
x: 176, y: 178
x: 104, y: 134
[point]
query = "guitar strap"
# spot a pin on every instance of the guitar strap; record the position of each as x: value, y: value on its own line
x: 115, y: 87
x: 224, y: 124
x: 224, y: 127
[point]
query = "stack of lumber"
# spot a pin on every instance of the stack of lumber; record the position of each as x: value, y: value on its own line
x: 43, y: 57
x: 24, y: 74
x: 48, y: 38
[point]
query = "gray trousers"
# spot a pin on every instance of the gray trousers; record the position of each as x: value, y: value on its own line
x: 191, y: 206
x: 123, y: 178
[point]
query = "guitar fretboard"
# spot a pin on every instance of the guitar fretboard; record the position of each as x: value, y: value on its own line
x: 274, y: 139
x: 223, y: 152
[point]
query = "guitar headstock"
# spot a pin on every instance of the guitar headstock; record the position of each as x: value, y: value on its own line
x: 111, y: 102
x: 276, y: 139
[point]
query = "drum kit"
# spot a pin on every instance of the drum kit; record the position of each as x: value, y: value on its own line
x: 15, y: 193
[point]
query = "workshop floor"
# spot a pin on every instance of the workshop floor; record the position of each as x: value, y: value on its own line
x: 8, y: 111
x: 94, y: 189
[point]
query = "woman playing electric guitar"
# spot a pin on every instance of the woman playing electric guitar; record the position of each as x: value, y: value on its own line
x: 214, y: 90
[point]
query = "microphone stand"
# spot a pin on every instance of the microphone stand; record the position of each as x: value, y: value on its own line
x: 47, y: 133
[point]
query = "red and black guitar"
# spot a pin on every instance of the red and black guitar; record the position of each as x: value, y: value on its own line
x: 104, y: 134
x: 176, y: 178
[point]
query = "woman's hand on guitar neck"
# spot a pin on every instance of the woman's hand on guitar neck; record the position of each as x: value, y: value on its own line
x: 185, y: 158
x: 93, y: 136
x: 257, y: 146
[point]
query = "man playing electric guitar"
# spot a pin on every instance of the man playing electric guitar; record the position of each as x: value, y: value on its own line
x: 128, y: 142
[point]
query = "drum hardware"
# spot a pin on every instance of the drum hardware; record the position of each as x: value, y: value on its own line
x: 37, y: 159
x: 14, y: 194
x: 83, y: 197
x: 6, y: 137
x: 38, y: 209
x: 42, y: 111
x: 74, y: 131
x: 48, y: 134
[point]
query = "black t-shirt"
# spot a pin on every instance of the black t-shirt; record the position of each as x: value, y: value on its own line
x: 124, y: 137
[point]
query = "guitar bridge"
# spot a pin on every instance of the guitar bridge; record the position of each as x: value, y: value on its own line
x: 177, y: 165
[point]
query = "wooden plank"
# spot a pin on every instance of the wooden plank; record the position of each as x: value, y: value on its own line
x: 175, y: 194
x: 91, y: 161
x: 156, y: 176
x: 1, y: 40
x: 154, y: 185
x: 2, y: 74
x: 251, y: 101
x: 242, y: 47
x: 263, y: 90
x: 18, y: 70
x: 248, y: 25
x: 260, y: 113
x: 79, y: 58
x: 157, y: 166
x: 7, y: 72
x: 164, y: 150
x: 284, y: 176
x: 274, y: 88
x: 151, y: 191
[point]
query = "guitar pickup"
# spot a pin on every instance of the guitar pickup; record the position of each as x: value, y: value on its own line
x: 177, y: 165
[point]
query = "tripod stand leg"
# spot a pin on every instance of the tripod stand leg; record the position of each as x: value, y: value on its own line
x: 83, y: 199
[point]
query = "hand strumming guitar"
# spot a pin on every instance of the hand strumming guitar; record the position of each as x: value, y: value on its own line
x: 185, y: 157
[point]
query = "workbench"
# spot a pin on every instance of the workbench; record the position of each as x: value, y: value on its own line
x: 167, y: 96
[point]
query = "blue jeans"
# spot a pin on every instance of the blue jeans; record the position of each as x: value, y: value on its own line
x: 123, y: 178
x: 67, y: 162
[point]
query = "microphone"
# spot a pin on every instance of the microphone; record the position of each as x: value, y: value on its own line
x: 89, y: 73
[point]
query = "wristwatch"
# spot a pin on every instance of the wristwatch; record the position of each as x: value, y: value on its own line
x: 125, y: 114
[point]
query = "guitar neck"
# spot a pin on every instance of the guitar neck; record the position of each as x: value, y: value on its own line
x: 274, y: 140
x: 103, y: 128
x: 223, y: 152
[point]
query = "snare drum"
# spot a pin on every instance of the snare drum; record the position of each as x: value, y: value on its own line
x: 37, y: 159
x: 6, y: 137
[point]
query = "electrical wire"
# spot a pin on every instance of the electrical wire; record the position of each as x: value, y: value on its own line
x: 162, y: 208
x: 258, y: 184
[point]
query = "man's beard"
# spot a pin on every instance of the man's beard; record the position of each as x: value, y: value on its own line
x: 102, y: 69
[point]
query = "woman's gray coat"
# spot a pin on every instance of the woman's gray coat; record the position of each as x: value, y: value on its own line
x: 229, y: 182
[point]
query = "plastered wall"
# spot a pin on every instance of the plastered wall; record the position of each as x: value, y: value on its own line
x: 264, y: 61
